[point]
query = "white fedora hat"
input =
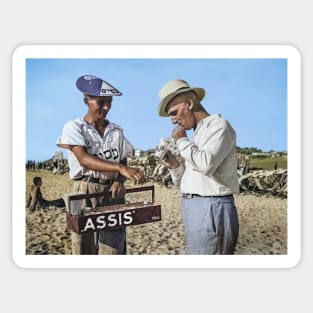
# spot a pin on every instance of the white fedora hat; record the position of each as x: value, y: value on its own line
x: 174, y: 88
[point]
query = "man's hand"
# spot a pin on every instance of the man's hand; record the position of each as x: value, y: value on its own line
x: 132, y: 173
x: 118, y: 190
x: 94, y: 163
x: 169, y: 160
x: 178, y: 132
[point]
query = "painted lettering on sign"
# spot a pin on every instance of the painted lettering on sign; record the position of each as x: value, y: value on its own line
x: 112, y: 220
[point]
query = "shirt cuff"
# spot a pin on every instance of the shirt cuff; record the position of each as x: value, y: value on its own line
x: 182, y: 144
x: 182, y: 139
x: 177, y: 172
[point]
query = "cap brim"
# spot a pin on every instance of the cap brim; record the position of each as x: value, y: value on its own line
x: 200, y: 92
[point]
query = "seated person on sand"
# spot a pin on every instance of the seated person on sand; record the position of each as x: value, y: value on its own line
x: 36, y: 199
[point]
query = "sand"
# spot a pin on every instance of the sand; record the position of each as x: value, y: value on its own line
x: 263, y: 222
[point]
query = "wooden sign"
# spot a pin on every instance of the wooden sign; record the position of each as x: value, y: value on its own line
x: 113, y: 216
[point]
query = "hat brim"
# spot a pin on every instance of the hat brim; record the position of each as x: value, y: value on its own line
x: 200, y: 92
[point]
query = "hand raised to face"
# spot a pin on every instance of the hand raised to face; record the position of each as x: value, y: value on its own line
x: 178, y: 132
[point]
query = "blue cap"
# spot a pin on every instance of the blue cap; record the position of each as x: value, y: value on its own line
x: 94, y: 86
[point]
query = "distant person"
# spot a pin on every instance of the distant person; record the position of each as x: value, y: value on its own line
x: 36, y: 199
x: 208, y: 179
x: 97, y: 161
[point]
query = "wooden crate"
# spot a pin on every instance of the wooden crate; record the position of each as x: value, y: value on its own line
x: 113, y: 216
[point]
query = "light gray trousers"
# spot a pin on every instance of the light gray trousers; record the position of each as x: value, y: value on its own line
x: 211, y: 225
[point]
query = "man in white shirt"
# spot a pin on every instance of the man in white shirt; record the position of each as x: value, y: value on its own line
x: 208, y: 178
x: 97, y: 159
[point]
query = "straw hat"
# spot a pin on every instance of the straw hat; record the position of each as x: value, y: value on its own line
x: 174, y: 88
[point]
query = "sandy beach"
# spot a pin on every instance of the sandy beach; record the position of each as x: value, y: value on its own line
x: 263, y: 222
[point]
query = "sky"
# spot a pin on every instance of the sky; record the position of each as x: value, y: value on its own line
x: 251, y: 93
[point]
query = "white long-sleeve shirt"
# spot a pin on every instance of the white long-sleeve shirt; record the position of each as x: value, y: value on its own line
x: 210, y: 159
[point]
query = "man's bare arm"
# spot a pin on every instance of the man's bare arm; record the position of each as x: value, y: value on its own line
x: 94, y: 163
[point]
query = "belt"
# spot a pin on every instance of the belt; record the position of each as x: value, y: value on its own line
x: 96, y: 180
x: 194, y: 195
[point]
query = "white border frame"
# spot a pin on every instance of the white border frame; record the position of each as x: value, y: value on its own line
x: 155, y: 51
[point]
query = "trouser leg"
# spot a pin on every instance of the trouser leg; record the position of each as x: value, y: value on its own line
x: 105, y: 249
x: 84, y: 243
x: 211, y: 225
x: 108, y: 241
x: 113, y: 241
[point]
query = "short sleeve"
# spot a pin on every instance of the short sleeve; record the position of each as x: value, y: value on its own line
x: 72, y: 134
x: 127, y: 147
